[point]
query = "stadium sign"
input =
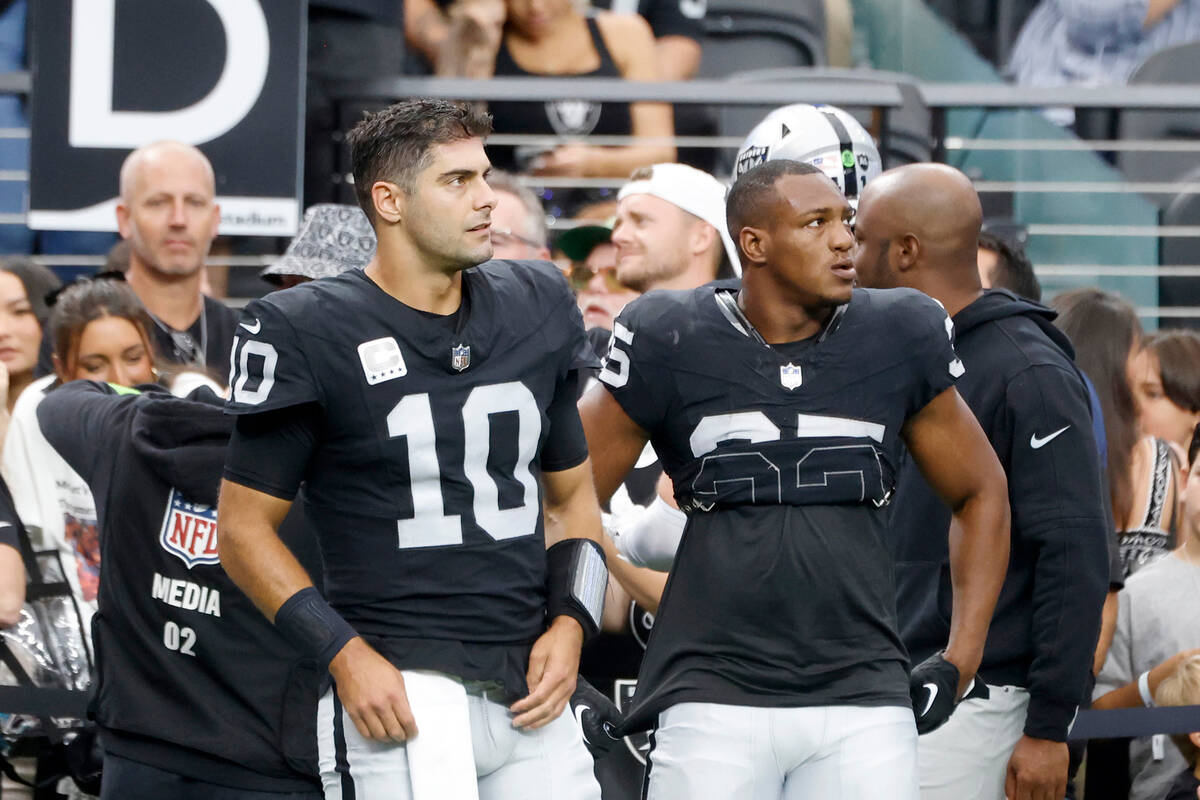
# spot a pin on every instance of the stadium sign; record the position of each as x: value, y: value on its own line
x: 224, y: 75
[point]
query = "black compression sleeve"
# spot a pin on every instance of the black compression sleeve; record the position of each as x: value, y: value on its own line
x: 270, y: 451
x: 566, y: 445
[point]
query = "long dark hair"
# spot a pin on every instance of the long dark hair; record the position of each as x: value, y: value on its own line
x: 86, y: 301
x: 1178, y: 353
x: 1104, y: 329
x: 38, y: 281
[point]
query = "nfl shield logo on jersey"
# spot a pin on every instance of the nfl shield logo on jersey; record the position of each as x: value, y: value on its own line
x: 789, y: 376
x: 460, y: 357
x: 189, y: 531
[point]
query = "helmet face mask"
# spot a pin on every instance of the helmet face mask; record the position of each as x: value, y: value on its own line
x: 824, y: 136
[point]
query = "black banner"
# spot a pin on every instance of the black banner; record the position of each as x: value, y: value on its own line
x: 111, y: 75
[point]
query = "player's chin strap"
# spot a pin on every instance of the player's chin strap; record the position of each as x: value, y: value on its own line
x: 576, y: 577
x: 728, y: 303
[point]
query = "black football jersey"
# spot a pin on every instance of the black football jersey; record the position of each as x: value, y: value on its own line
x: 424, y: 481
x: 784, y: 457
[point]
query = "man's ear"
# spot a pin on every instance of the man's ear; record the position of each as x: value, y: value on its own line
x: 701, y: 237
x: 123, y: 223
x: 755, y: 245
x: 1195, y: 737
x: 906, y: 252
x: 388, y: 199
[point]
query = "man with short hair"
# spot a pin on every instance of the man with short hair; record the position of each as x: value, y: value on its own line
x: 670, y: 230
x: 167, y: 212
x: 918, y: 227
x: 518, y: 220
x: 778, y: 406
x: 427, y: 402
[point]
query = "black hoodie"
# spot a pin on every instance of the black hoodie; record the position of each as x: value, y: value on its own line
x: 191, y: 678
x: 1022, y: 384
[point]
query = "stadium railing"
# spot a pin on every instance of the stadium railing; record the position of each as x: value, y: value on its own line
x: 1068, y: 249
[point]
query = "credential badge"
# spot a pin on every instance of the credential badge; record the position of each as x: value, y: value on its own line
x: 789, y: 376
x: 460, y: 357
x: 189, y: 531
x: 381, y: 360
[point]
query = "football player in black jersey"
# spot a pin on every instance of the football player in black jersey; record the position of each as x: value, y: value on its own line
x: 778, y: 407
x: 428, y: 405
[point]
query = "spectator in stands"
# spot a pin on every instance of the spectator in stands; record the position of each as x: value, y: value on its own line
x: 1182, y: 688
x: 100, y: 332
x: 24, y: 286
x: 593, y: 274
x: 332, y: 239
x: 518, y: 220
x: 552, y: 38
x: 670, y: 231
x: 167, y: 212
x: 1157, y: 629
x: 1004, y: 265
x: 1098, y: 42
x: 678, y: 27
x: 1141, y: 469
x: 1166, y: 382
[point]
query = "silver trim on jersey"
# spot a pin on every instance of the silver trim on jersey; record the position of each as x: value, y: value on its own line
x: 731, y: 308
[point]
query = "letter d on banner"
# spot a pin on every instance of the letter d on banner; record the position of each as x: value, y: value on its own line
x: 94, y: 123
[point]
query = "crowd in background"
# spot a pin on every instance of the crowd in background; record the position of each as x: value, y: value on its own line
x: 151, y: 317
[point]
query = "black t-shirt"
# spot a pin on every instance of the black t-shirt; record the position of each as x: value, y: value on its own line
x: 784, y: 457
x: 211, y: 334
x: 422, y: 479
x: 666, y: 17
x: 190, y: 676
x: 1184, y: 787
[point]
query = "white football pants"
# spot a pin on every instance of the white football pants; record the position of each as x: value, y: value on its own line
x: 706, y: 751
x: 967, y: 758
x: 550, y: 763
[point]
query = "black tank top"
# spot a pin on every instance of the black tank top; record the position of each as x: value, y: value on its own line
x: 563, y: 117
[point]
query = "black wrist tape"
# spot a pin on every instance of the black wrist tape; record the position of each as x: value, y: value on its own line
x: 312, y: 626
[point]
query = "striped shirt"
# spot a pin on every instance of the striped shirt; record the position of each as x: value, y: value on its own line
x: 1095, y: 42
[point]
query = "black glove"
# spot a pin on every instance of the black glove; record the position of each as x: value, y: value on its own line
x: 933, y: 686
x: 598, y: 716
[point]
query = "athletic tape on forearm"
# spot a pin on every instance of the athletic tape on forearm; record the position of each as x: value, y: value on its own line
x: 650, y: 536
x: 313, y: 628
x: 576, y: 577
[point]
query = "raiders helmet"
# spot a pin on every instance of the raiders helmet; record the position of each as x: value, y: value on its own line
x: 821, y: 135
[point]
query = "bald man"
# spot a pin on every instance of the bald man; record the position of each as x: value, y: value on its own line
x: 918, y: 227
x: 168, y: 213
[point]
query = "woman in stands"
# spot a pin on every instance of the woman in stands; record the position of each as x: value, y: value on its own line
x: 99, y: 331
x: 1142, y: 470
x: 551, y: 38
x: 1167, y: 386
x: 23, y: 289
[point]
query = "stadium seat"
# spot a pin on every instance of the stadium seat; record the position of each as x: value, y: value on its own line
x: 990, y: 25
x: 909, y: 138
x: 1175, y: 65
x: 762, y: 33
x: 1183, y: 209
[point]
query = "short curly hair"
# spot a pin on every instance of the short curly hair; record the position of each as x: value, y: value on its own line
x: 394, y: 144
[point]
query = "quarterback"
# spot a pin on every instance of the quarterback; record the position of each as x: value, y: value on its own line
x: 427, y: 403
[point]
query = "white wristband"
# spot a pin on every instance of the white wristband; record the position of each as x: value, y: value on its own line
x: 1144, y: 689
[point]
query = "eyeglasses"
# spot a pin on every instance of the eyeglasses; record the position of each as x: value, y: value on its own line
x: 580, y: 275
x: 503, y: 238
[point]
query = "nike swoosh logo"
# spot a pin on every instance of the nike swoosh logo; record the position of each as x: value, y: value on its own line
x: 1037, y: 443
x: 933, y: 690
x: 255, y: 328
x: 579, y: 718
